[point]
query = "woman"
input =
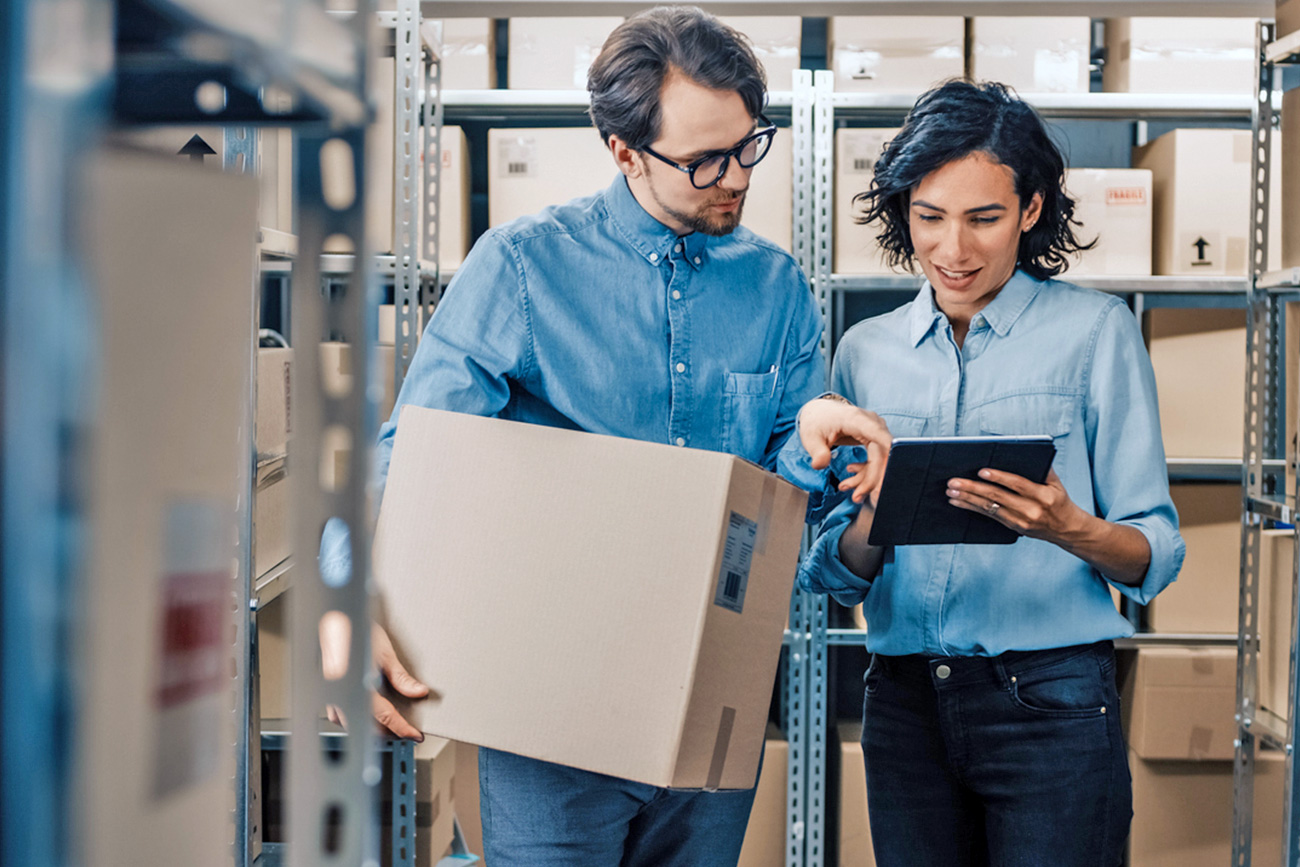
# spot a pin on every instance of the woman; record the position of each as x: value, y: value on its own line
x: 991, y: 728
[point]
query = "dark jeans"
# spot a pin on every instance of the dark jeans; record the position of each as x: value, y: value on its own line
x: 537, y: 814
x: 1005, y: 761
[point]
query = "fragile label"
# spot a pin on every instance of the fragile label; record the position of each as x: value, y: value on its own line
x: 517, y: 158
x: 737, y: 556
x: 1126, y: 195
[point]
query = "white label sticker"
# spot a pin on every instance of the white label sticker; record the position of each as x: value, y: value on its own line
x: 517, y: 158
x: 737, y: 556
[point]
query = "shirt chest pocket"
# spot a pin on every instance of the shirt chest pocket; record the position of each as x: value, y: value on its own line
x: 1048, y: 413
x: 905, y: 423
x: 749, y: 406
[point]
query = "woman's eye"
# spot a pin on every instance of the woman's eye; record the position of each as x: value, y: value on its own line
x: 985, y: 221
x: 928, y: 218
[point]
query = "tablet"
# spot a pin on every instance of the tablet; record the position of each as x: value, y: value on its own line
x: 913, y: 508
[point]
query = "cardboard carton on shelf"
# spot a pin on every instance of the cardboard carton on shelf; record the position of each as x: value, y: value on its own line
x: 1114, y: 208
x: 1180, y: 55
x: 1287, y: 17
x: 769, y: 203
x: 1179, y: 703
x: 531, y: 169
x: 469, y: 55
x: 1289, y: 169
x: 555, y: 53
x: 274, y: 399
x: 855, y: 830
x: 1032, y: 55
x: 856, y: 151
x: 273, y: 661
x: 704, y: 548
x: 167, y: 472
x: 765, y: 835
x: 1276, y: 579
x: 1201, y: 181
x: 435, y: 778
x: 1204, y: 597
x: 336, y: 372
x: 895, y: 54
x: 776, y: 40
x: 1199, y: 357
x: 272, y: 533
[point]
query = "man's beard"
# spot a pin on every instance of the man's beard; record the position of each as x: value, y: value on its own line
x: 702, y: 221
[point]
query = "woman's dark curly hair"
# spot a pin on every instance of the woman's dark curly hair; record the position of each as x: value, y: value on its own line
x: 952, y: 121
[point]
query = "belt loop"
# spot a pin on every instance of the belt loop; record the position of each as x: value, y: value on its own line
x: 999, y: 667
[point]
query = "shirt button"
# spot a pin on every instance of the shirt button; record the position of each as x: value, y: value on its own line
x: 678, y: 248
x: 681, y: 368
x: 677, y: 296
x: 681, y: 441
x: 654, y: 257
x: 942, y: 672
x: 697, y: 260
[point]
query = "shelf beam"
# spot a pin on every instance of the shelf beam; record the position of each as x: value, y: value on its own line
x: 818, y: 8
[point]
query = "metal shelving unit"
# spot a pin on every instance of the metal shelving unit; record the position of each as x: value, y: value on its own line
x: 1264, y: 417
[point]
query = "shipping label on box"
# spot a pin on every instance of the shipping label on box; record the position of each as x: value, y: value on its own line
x: 1199, y: 358
x: 896, y: 54
x: 1180, y: 55
x: 856, y: 151
x: 1113, y: 207
x: 1181, y: 703
x: 619, y: 600
x: 1032, y: 55
x: 531, y: 169
x: 555, y: 53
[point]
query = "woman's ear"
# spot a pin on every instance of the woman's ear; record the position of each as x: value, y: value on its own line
x: 1029, y: 216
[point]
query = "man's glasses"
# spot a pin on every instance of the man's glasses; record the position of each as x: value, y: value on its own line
x: 709, y: 169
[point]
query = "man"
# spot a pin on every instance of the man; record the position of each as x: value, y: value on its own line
x: 643, y: 311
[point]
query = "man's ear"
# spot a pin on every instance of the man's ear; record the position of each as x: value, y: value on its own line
x: 627, y: 160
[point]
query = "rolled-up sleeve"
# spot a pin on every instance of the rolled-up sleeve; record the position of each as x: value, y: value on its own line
x: 1130, y: 476
x: 476, y: 342
x: 822, y: 570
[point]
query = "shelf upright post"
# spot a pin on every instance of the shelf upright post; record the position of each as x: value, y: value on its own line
x: 240, y: 155
x: 333, y: 812
x: 796, y: 681
x: 55, y: 60
x: 408, y: 147
x: 432, y: 121
x: 1257, y: 440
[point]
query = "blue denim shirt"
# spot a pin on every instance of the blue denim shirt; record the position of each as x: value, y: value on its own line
x: 594, y: 316
x: 1044, y: 357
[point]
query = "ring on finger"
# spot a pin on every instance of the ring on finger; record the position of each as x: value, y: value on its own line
x: 993, y: 509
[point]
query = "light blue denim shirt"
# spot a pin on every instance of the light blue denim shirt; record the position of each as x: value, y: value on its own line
x: 594, y: 316
x: 1044, y: 357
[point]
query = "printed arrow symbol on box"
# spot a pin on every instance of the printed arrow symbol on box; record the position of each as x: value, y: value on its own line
x: 1200, y: 244
x: 196, y: 149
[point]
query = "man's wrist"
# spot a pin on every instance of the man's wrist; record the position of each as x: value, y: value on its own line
x: 830, y: 395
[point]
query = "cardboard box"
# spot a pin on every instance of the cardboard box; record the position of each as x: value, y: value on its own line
x: 1291, y: 376
x: 855, y: 831
x: 1180, y: 55
x: 704, y: 546
x: 435, y: 772
x: 555, y: 53
x: 1032, y: 55
x: 531, y: 169
x: 856, y: 152
x: 272, y: 533
x: 1289, y: 169
x: 1276, y: 580
x: 1181, y: 702
x: 336, y: 372
x: 765, y: 835
x: 1201, y: 220
x: 465, y: 798
x: 1182, y: 813
x: 469, y: 54
x: 1204, y: 598
x: 167, y: 469
x: 895, y: 54
x: 777, y: 40
x: 769, y: 204
x: 388, y: 324
x: 1199, y: 357
x: 454, y: 236
x: 1288, y: 18
x: 274, y: 662
x: 1114, y: 208
x: 274, y: 398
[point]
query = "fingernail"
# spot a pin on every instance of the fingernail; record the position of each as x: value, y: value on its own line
x: 954, y: 502
x: 984, y: 474
x: 951, y: 492
x: 953, y: 484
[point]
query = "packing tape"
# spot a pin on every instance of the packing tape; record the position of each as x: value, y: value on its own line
x: 720, y: 745
x: 766, y: 502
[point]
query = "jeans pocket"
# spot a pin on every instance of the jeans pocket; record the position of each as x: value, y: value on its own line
x: 1073, y: 687
x: 871, y: 677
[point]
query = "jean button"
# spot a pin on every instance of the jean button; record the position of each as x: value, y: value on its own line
x: 942, y: 672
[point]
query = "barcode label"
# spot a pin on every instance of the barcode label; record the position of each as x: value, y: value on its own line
x: 517, y: 157
x: 737, y: 556
x: 863, y: 164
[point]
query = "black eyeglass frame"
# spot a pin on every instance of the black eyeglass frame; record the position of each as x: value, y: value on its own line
x: 768, y: 131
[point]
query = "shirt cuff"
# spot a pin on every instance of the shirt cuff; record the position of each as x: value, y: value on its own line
x: 822, y: 571
x: 1167, y: 553
x: 795, y: 465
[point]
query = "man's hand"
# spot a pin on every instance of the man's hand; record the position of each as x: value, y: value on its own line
x: 827, y: 423
x: 335, y: 636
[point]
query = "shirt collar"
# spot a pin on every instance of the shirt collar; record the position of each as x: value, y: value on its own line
x: 652, y: 240
x: 1001, y: 313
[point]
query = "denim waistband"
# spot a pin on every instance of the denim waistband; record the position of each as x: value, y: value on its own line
x: 951, y: 671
